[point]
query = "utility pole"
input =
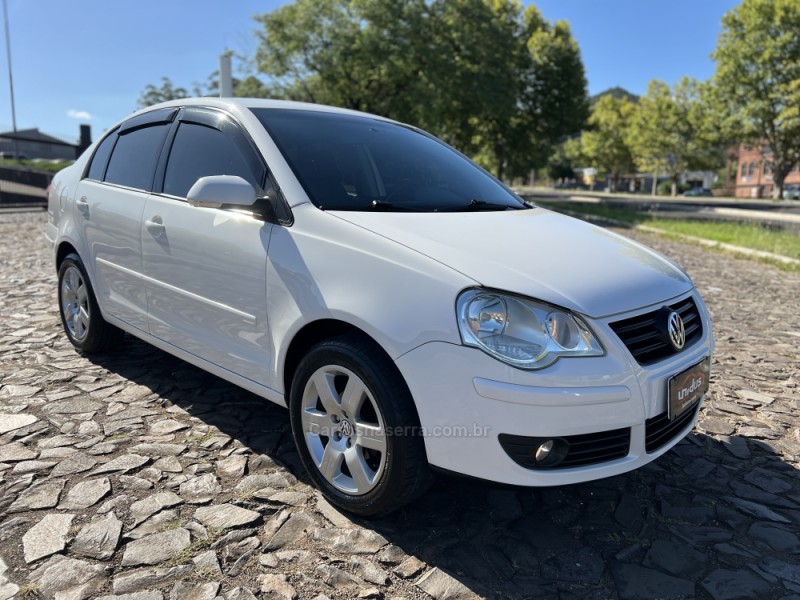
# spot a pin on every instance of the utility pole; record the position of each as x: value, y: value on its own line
x: 11, y: 81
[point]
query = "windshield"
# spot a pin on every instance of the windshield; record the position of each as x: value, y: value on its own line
x: 347, y: 162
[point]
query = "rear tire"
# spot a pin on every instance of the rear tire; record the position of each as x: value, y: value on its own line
x: 80, y: 313
x: 356, y: 428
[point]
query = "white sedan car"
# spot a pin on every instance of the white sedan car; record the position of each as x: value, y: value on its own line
x: 408, y: 308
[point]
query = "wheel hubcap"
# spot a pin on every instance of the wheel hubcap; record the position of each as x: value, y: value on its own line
x: 75, y: 303
x: 343, y: 430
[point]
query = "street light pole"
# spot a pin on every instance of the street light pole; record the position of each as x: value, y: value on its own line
x: 11, y: 81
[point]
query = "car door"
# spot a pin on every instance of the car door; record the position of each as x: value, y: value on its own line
x: 110, y: 201
x: 205, y: 268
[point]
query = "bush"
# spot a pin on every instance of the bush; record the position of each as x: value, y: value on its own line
x: 665, y: 188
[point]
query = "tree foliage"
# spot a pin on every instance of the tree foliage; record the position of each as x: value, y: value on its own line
x: 249, y: 87
x: 565, y: 158
x: 669, y: 130
x: 498, y: 82
x: 163, y: 93
x: 363, y: 55
x: 605, y: 144
x: 757, y: 81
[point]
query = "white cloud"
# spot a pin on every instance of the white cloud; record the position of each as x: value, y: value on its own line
x: 79, y: 114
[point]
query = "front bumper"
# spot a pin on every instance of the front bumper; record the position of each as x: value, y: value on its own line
x: 466, y: 399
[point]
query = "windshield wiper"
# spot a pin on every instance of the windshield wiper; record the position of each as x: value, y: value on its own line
x: 392, y: 207
x: 373, y: 205
x: 479, y: 205
x: 383, y: 205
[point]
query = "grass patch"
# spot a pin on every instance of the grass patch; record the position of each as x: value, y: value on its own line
x: 199, y: 440
x: 43, y: 166
x: 597, y: 210
x: 747, y: 235
x: 170, y: 525
x: 204, y: 575
x: 185, y: 556
x: 29, y: 591
x: 246, y: 495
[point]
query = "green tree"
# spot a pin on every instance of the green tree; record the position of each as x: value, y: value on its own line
x: 758, y: 78
x: 167, y: 91
x: 523, y: 92
x: 499, y: 83
x: 605, y: 143
x: 555, y: 98
x: 478, y: 55
x: 362, y: 54
x: 565, y: 158
x: 249, y: 87
x: 670, y: 130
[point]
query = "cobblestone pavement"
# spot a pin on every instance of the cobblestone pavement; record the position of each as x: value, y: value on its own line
x: 137, y: 476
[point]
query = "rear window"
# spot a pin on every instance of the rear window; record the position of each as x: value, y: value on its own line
x: 135, y: 156
x: 349, y: 162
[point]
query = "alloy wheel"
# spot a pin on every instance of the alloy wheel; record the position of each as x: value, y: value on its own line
x: 75, y: 303
x: 343, y: 429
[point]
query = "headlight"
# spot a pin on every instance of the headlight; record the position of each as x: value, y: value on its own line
x: 521, y: 332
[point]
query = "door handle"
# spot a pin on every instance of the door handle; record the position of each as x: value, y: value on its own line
x: 83, y: 206
x: 155, y: 226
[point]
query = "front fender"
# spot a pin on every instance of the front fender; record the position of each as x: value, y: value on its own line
x: 327, y: 268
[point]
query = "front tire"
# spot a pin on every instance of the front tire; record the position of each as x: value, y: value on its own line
x: 80, y: 314
x: 356, y: 428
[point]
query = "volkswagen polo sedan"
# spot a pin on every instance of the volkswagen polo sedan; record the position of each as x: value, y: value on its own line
x: 410, y: 311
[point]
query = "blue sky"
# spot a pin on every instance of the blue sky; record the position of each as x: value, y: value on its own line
x: 96, y: 56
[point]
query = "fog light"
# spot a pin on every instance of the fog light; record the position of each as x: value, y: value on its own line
x: 543, y: 451
x: 549, y: 453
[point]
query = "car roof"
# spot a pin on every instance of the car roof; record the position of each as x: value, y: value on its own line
x: 231, y: 104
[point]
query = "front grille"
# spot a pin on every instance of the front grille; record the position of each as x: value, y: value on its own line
x: 660, y: 430
x: 586, y: 449
x: 646, y: 335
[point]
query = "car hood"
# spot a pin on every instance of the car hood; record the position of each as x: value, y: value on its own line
x: 539, y: 254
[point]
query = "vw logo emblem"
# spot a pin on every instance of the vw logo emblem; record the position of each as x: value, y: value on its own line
x: 346, y: 428
x: 677, y: 333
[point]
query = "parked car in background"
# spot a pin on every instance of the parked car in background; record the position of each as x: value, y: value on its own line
x: 409, y: 309
x: 698, y: 191
x: 791, y: 191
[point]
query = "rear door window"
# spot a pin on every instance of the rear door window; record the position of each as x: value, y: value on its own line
x: 135, y: 155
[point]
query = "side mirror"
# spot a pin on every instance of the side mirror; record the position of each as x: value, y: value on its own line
x: 216, y: 190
